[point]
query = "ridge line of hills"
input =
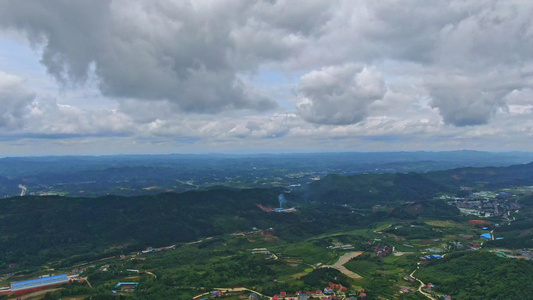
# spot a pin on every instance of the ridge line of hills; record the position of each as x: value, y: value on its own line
x: 131, y: 175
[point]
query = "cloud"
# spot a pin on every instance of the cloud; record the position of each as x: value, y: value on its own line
x: 485, y: 34
x: 472, y: 99
x: 213, y: 72
x: 48, y: 117
x: 152, y: 50
x: 15, y: 100
x: 339, y: 95
x: 191, y: 54
x: 22, y: 112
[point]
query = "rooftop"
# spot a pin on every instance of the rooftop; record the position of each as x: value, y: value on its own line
x: 33, y: 283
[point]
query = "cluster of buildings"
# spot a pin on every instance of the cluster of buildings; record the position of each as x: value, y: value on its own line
x: 152, y: 250
x: 125, y: 287
x: 430, y: 286
x: 518, y: 254
x: 486, y: 204
x: 473, y: 246
x: 340, y: 246
x: 406, y: 290
x: 328, y: 293
x: 382, y: 250
x: 409, y: 278
x: 265, y: 251
x: 432, y: 256
x: 425, y: 260
x: 332, y: 291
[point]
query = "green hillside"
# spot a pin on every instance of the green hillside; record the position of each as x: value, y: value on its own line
x: 61, y: 230
x: 367, y: 190
x: 430, y: 209
x: 480, y: 275
x: 34, y: 229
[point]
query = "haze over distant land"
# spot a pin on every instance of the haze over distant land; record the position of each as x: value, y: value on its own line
x: 134, y: 175
x: 108, y: 77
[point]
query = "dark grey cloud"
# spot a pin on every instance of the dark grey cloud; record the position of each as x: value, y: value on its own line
x: 469, y: 106
x: 475, y: 39
x: 153, y: 50
x: 161, y: 58
x: 339, y: 95
x: 473, y: 99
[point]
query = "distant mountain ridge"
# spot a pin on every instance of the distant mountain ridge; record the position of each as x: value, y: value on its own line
x: 488, y: 176
x: 130, y: 175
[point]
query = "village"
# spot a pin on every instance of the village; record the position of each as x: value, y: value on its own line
x: 487, y: 204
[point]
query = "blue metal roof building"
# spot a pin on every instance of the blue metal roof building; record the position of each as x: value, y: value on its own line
x: 39, y: 282
x: 486, y: 236
x: 126, y: 284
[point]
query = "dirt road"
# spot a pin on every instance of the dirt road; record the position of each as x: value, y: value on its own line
x: 36, y: 294
x: 421, y: 285
x: 339, y: 265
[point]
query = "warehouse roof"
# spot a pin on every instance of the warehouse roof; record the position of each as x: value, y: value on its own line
x: 39, y: 282
x: 126, y: 283
x: 486, y: 236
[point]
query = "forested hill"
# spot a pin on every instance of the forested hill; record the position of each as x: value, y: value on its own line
x: 366, y: 190
x: 370, y: 189
x: 432, y: 209
x: 53, y: 227
x: 36, y: 230
x: 480, y: 275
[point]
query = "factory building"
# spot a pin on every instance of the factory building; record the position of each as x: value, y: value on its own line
x: 25, y: 286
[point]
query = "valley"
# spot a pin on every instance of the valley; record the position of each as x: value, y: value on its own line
x: 373, y: 236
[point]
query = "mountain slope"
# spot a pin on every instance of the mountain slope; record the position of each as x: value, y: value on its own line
x: 54, y: 227
x: 489, y: 176
x: 370, y: 189
x: 366, y: 190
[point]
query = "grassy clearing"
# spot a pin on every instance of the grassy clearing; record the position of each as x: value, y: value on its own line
x: 310, y: 253
x: 368, y: 266
x: 446, y: 224
x: 364, y: 268
x: 383, y: 226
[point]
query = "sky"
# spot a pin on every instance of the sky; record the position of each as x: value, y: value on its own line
x: 244, y: 76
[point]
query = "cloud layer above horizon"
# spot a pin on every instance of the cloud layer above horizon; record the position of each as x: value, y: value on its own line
x: 208, y: 76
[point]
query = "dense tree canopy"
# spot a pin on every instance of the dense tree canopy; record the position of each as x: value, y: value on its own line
x: 480, y: 275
